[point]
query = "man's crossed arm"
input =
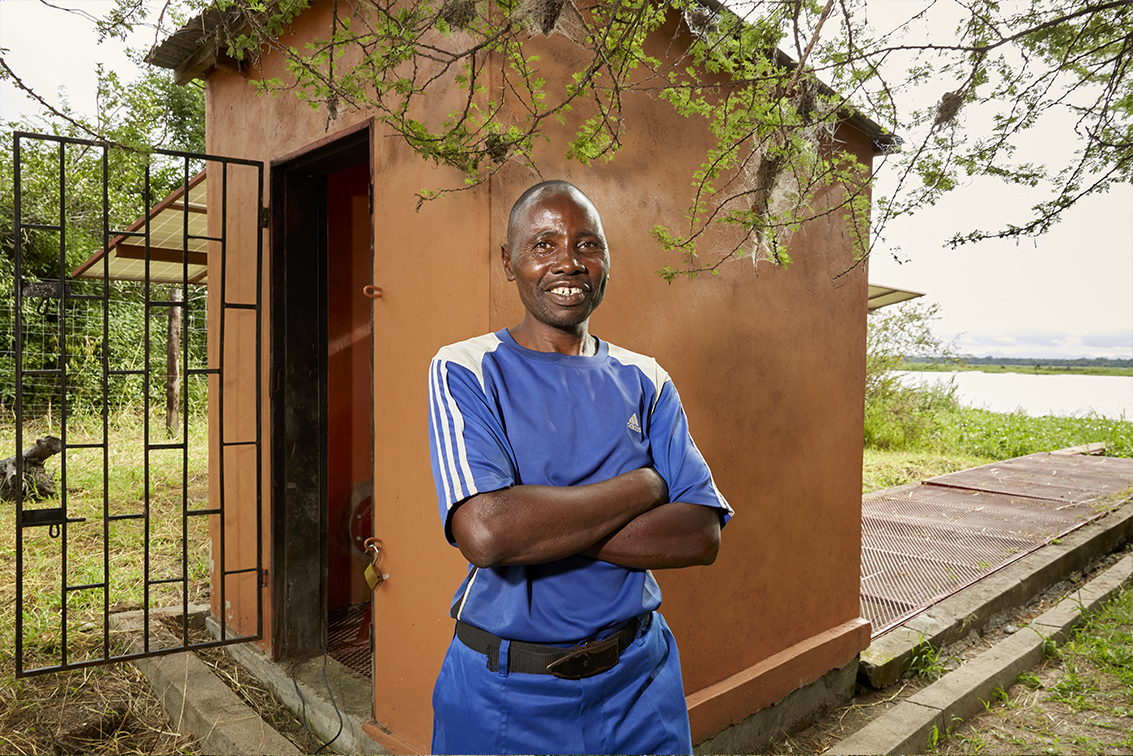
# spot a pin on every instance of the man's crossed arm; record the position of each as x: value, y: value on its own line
x: 626, y: 520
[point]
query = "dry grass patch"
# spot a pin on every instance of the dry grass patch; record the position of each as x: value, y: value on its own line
x: 885, y: 469
x: 106, y: 709
x: 103, y: 710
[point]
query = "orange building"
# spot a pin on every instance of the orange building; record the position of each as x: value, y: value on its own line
x: 769, y: 362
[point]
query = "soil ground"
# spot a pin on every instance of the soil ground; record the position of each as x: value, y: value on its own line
x: 112, y: 710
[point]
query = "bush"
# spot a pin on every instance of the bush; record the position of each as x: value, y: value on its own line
x: 1002, y: 436
x: 900, y: 417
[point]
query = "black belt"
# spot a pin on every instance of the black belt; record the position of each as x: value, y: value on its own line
x: 584, y: 660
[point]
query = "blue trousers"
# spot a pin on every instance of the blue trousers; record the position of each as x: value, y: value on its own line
x: 637, y: 706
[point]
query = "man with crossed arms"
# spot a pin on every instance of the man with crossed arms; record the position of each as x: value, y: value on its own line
x: 565, y: 472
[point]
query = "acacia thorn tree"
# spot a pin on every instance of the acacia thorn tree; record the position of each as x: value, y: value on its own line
x: 771, y: 79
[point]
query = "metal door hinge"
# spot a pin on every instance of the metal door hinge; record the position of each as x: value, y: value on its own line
x: 265, y: 217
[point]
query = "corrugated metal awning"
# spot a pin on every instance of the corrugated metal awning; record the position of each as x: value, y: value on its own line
x: 168, y: 242
x: 881, y: 296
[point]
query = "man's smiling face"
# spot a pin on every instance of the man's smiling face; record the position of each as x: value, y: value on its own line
x: 557, y: 256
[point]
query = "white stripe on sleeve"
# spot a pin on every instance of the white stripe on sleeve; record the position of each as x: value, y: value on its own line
x: 448, y: 464
x: 440, y: 430
x: 458, y: 433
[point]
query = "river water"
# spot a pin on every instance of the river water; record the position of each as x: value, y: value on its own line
x: 1036, y: 395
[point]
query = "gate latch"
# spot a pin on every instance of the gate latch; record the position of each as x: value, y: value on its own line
x: 52, y: 518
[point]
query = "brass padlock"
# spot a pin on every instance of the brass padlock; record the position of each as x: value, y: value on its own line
x: 374, y: 577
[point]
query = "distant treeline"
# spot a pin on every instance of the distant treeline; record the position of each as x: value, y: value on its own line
x: 1033, y: 361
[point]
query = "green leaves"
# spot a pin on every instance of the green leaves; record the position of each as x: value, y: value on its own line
x: 1057, y: 69
x: 752, y: 75
x: 771, y: 124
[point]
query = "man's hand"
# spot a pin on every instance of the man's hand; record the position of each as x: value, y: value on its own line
x: 671, y: 535
x: 532, y: 524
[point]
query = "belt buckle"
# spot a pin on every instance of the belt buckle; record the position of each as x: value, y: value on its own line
x: 586, y: 660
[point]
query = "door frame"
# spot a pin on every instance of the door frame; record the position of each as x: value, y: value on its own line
x: 298, y: 370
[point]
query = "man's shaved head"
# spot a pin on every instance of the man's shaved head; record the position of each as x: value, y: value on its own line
x: 555, y: 186
x: 557, y: 256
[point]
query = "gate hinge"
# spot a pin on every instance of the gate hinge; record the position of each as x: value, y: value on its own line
x: 371, y: 196
x: 264, y: 578
x: 265, y: 217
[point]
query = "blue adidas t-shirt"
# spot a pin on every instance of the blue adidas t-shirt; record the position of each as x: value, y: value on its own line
x: 501, y: 415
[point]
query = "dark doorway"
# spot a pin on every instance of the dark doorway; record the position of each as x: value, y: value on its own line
x: 321, y: 402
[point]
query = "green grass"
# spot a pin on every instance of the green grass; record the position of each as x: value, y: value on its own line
x: 1079, y: 701
x: 929, y: 424
x: 926, y: 661
x: 122, y: 542
x: 885, y: 469
x: 952, y: 367
x: 1098, y: 662
x: 997, y: 435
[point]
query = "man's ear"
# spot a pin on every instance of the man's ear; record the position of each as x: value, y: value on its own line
x: 505, y: 255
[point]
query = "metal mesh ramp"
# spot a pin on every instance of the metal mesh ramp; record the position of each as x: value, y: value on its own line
x: 922, y: 543
x: 1059, y: 477
x: 348, y: 638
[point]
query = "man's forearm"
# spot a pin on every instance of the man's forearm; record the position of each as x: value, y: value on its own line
x: 671, y: 535
x: 531, y: 524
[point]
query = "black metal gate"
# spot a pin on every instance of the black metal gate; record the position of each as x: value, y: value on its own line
x: 114, y: 368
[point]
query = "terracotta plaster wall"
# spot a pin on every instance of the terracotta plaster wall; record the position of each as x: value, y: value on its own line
x: 234, y: 420
x: 770, y: 367
x: 769, y: 363
x: 432, y: 265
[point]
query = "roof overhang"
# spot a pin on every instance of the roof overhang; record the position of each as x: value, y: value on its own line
x: 199, y: 45
x: 177, y: 242
x: 882, y: 296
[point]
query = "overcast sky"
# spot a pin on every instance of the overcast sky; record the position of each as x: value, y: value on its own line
x: 1068, y: 294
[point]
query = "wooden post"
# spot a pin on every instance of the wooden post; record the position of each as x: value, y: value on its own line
x: 172, y: 360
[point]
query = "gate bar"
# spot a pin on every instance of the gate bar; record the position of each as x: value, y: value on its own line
x: 17, y: 228
x: 63, y: 395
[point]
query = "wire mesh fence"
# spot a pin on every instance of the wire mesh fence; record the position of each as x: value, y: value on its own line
x: 66, y: 337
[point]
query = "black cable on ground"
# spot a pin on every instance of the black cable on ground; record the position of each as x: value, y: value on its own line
x: 333, y: 703
x: 303, y: 703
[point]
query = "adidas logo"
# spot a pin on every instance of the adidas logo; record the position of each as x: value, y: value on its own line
x: 633, y: 424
